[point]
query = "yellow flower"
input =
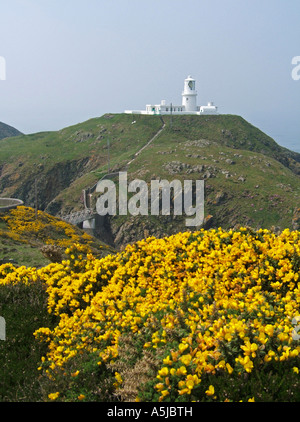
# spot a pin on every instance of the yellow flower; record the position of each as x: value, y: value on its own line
x: 172, y: 371
x: 250, y: 349
x: 191, y: 381
x: 269, y: 329
x: 269, y: 356
x: 229, y: 368
x: 283, y: 336
x: 184, y: 391
x: 181, y: 371
x: 81, y: 397
x: 163, y: 372
x: 74, y: 374
x: 119, y: 379
x: 186, y: 359
x: 210, y: 391
x: 164, y: 393
x: 246, y: 362
x: 167, y: 361
x: 160, y: 386
x: 183, y: 347
x: 53, y: 396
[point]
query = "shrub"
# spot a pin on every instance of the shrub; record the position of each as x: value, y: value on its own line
x: 203, y: 316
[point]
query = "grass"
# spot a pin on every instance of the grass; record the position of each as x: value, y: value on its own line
x: 24, y: 309
x: 266, y: 195
x: 21, y: 253
x: 83, y: 139
x: 266, y: 168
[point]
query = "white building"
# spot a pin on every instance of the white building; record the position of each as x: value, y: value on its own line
x: 188, y: 105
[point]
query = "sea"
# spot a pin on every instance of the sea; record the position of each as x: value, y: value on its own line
x: 289, y: 144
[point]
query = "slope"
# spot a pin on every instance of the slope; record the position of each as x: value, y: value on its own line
x: 31, y: 239
x: 249, y: 178
x: 7, y: 131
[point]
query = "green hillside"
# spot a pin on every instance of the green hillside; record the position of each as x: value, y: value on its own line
x: 249, y: 178
x: 70, y: 159
x: 7, y: 131
x: 31, y: 239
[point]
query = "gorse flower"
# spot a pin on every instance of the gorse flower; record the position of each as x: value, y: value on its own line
x: 198, y: 305
x: 53, y: 396
x: 210, y: 391
x: 24, y: 224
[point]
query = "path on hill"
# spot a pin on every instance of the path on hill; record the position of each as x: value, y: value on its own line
x: 80, y: 216
x: 147, y: 144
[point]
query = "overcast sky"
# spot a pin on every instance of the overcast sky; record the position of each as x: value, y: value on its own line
x: 71, y: 60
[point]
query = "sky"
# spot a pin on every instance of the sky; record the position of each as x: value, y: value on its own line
x: 67, y: 61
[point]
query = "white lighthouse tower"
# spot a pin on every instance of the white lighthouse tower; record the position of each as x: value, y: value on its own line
x: 189, y: 95
x: 188, y: 105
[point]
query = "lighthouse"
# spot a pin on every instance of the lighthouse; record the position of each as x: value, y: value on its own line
x: 188, y: 105
x: 189, y: 95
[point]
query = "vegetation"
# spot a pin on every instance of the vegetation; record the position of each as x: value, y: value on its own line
x: 175, y: 316
x: 24, y: 308
x: 202, y: 316
x: 249, y: 178
x: 7, y: 131
x: 28, y: 238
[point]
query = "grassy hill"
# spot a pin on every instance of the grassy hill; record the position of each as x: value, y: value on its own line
x: 7, y: 131
x: 35, y: 240
x: 69, y: 160
x: 249, y: 178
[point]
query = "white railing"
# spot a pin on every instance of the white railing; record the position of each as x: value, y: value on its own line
x: 78, y: 216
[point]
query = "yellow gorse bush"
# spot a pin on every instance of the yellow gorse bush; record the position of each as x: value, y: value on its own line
x: 200, y: 304
x: 23, y: 221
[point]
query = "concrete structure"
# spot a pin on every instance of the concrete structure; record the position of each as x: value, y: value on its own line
x: 7, y: 204
x: 188, y: 104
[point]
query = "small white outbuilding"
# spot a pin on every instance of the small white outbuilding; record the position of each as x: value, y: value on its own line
x: 188, y: 104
